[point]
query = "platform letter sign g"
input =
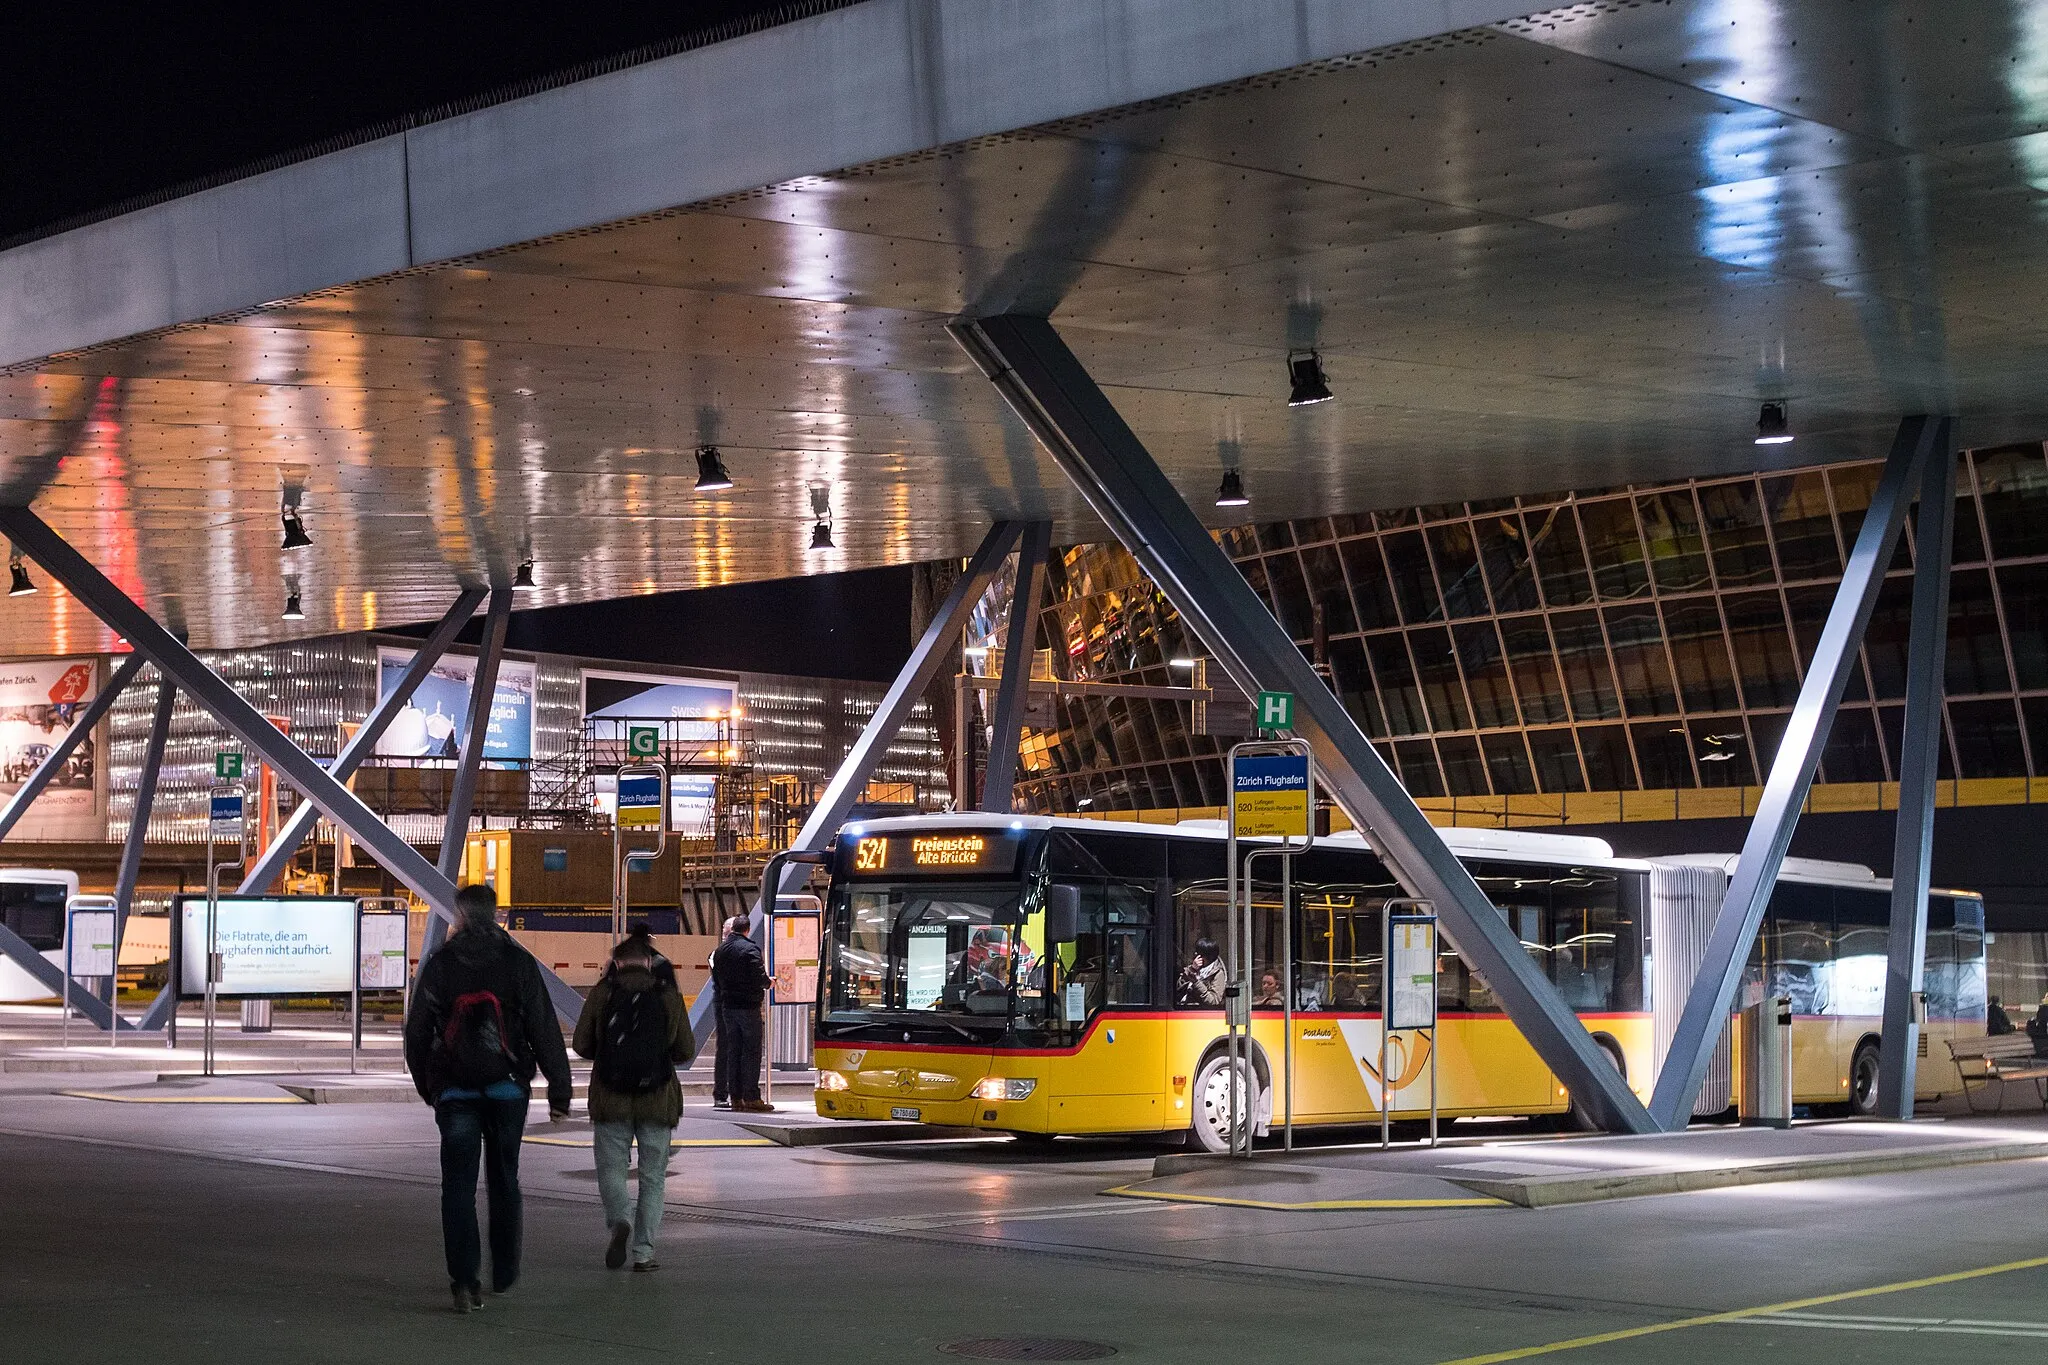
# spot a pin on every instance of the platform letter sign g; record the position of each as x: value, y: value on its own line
x: 643, y: 741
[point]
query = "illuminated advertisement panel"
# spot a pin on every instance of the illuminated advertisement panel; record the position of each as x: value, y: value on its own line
x: 269, y: 945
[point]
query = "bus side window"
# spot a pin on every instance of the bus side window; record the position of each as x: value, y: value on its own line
x: 1799, y: 947
x: 1862, y: 933
x: 1337, y: 953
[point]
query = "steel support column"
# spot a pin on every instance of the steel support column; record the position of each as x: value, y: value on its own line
x: 483, y: 690
x: 114, y: 609
x: 941, y: 636
x: 145, y: 804
x: 1040, y: 378
x: 1913, y: 846
x: 998, y: 787
x: 95, y: 710
x: 363, y: 742
x: 1770, y: 832
x: 51, y: 977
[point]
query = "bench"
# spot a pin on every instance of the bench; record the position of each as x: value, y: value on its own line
x: 2008, y: 1057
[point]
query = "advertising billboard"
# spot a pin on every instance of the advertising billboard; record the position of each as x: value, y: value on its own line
x: 269, y: 945
x: 652, y: 696
x: 431, y: 725
x: 39, y: 698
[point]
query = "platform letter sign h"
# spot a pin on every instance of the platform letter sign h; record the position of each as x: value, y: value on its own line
x: 643, y: 741
x: 1275, y: 711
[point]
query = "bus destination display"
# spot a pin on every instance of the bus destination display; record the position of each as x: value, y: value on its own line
x: 956, y: 853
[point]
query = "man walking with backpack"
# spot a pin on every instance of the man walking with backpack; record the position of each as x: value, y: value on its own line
x: 479, y: 1026
x: 636, y: 1029
x: 739, y: 983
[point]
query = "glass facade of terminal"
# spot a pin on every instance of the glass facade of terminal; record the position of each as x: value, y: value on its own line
x: 1643, y: 638
x: 800, y: 727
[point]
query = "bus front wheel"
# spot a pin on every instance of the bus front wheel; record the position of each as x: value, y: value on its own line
x: 1213, y: 1086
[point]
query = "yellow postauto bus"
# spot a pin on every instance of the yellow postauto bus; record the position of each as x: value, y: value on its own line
x: 946, y: 1001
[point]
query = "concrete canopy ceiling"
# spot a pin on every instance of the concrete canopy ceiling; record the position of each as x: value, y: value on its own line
x: 1569, y: 250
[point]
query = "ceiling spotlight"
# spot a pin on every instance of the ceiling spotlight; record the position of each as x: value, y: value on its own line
x: 821, y: 511
x: 295, y: 537
x: 1230, y: 493
x: 1772, y: 426
x: 292, y: 610
x: 711, y: 475
x: 522, y: 581
x: 19, y: 584
x: 1305, y: 377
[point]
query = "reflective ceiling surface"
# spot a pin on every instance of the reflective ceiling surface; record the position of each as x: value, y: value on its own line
x: 1563, y: 252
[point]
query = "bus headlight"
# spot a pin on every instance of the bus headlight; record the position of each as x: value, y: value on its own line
x: 1004, y: 1088
x: 833, y: 1080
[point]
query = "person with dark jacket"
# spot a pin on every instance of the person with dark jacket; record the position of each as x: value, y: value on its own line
x: 739, y: 983
x: 479, y: 1026
x: 636, y: 1027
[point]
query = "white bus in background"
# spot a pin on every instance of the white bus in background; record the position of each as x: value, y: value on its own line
x: 32, y: 901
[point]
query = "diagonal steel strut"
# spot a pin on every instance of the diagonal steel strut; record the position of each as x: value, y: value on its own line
x: 999, y: 784
x: 363, y: 742
x: 114, y: 608
x: 483, y: 690
x: 1777, y: 813
x: 1048, y: 387
x: 926, y: 658
x: 1919, y: 770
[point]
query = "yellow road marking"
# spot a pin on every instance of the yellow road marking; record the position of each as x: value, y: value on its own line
x: 1475, y: 1202
x: 181, y: 1099
x: 673, y: 1142
x: 1736, y: 1314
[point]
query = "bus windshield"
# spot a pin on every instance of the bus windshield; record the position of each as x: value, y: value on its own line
x: 924, y: 955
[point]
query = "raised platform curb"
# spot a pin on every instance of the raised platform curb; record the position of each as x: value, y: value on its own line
x: 1550, y: 1191
x: 1658, y: 1165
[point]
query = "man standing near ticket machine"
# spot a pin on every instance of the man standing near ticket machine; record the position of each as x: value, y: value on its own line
x: 739, y: 979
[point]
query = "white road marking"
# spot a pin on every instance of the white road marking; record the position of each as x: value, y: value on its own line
x: 1844, y: 1322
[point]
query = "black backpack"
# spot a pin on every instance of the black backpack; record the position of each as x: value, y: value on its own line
x: 632, y: 1046
x: 474, y: 1053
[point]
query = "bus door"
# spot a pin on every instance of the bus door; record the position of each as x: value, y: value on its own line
x: 1100, y: 988
x: 1336, y: 1000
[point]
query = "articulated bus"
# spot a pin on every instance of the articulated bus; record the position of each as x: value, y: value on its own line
x: 944, y: 1002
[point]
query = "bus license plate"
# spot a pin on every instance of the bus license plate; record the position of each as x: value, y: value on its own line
x: 907, y: 1115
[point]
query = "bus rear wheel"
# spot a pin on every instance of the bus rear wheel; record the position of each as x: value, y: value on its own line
x: 1863, y: 1081
x: 1213, y: 1085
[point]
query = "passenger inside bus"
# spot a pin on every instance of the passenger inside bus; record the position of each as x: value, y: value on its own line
x: 1201, y: 981
x: 1269, y: 995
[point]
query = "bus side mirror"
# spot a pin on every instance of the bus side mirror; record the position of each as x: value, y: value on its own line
x: 1062, y: 913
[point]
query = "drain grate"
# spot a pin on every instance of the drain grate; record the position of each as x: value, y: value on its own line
x: 1029, y: 1348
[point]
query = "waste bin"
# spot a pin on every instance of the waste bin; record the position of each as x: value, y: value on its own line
x: 1767, y: 1063
x: 256, y: 1016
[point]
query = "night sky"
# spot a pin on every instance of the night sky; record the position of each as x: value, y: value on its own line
x: 102, y: 103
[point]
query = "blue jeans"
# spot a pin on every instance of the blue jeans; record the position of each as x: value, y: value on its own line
x: 491, y: 1129
x: 736, y: 1074
x: 613, y: 1143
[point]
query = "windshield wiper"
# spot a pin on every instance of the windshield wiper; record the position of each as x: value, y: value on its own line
x: 840, y: 1030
